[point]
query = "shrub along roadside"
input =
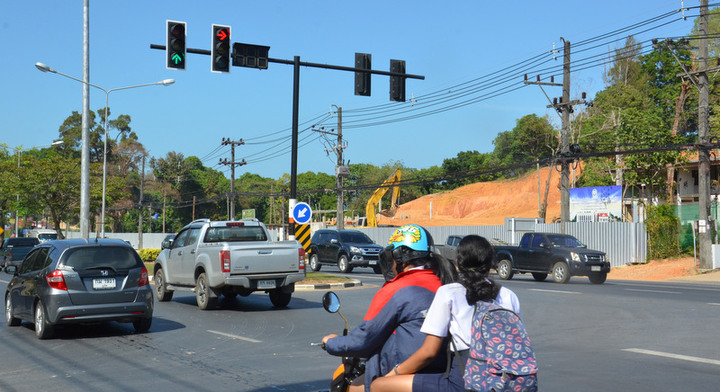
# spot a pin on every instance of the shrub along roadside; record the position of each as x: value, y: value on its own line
x: 663, y: 228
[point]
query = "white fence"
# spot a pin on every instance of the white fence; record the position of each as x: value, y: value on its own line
x: 623, y: 242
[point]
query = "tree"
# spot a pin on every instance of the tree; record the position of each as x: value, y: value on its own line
x: 456, y: 169
x: 51, y: 182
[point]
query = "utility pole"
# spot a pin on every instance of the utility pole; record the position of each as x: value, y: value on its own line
x: 340, y: 170
x: 140, y: 205
x: 232, y: 163
x: 565, y: 142
x: 564, y: 107
x: 704, y: 226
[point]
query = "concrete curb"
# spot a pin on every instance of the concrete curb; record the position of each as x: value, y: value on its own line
x: 328, y: 286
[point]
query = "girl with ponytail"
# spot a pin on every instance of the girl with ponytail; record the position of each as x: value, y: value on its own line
x: 451, y: 312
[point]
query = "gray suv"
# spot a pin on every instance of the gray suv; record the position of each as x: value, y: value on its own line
x: 346, y: 248
x: 79, y: 281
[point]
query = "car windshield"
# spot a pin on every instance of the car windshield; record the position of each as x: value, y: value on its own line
x: 117, y: 257
x: 47, y: 237
x: 235, y: 234
x: 355, y: 237
x: 565, y: 241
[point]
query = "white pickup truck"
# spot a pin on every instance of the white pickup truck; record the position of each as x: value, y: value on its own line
x: 228, y: 258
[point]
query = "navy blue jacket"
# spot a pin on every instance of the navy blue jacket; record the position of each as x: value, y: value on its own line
x: 390, y: 331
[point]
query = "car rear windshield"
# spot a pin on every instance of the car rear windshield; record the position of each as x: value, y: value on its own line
x: 23, y: 242
x: 117, y: 257
x: 235, y: 234
x: 47, y: 237
x: 357, y: 238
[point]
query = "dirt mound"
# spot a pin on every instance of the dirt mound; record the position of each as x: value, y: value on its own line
x: 482, y: 203
x: 655, y: 270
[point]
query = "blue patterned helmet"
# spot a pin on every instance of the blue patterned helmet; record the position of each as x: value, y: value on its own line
x: 407, y: 243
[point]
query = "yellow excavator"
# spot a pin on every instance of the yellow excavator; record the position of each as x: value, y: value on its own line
x: 370, y: 209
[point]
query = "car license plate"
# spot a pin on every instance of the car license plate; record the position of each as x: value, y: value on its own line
x: 266, y: 284
x: 595, y: 268
x: 103, y: 284
x: 373, y: 262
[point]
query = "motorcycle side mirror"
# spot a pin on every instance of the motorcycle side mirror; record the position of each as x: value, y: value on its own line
x: 331, y: 302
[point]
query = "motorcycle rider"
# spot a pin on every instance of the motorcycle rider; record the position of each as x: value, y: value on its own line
x: 390, y: 330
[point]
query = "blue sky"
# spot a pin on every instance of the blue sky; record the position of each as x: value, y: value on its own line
x: 449, y: 42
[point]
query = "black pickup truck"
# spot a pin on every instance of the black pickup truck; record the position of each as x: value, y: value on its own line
x: 559, y: 255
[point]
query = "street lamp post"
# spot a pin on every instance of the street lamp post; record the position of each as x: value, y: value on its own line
x: 45, y: 68
x: 18, y: 152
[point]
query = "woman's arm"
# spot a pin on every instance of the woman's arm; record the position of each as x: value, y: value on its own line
x: 421, y: 358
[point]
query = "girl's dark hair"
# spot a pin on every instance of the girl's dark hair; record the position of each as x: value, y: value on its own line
x: 474, y: 258
x: 442, y: 267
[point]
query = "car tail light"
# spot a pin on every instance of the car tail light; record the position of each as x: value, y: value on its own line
x: 225, y: 260
x: 56, y: 280
x: 144, y: 280
x: 231, y: 224
x: 301, y: 258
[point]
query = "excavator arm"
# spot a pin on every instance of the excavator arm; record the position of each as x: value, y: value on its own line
x: 371, y: 207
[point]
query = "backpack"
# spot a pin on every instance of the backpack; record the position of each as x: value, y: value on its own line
x: 501, y: 357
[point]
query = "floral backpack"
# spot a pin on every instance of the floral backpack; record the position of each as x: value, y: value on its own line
x: 499, y: 339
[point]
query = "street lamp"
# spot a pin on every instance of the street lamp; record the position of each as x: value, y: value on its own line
x: 19, y: 151
x: 45, y: 68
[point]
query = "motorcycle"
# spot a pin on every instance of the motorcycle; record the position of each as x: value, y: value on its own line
x: 350, y: 367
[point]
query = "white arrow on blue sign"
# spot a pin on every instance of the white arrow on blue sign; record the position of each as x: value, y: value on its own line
x: 302, y: 213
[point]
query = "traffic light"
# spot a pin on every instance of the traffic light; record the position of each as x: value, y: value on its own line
x: 250, y: 56
x: 362, y: 79
x: 397, y: 83
x: 220, y: 51
x: 175, y: 48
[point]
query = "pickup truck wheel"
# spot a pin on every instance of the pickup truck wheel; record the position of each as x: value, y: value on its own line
x: 280, y: 299
x: 314, y: 262
x: 344, y: 264
x: 504, y: 269
x: 560, y: 272
x: 597, y: 277
x: 540, y: 277
x: 163, y: 294
x: 206, y: 298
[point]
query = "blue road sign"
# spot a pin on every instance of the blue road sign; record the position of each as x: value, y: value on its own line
x: 302, y: 213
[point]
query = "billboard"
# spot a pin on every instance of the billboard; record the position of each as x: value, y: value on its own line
x: 596, y: 204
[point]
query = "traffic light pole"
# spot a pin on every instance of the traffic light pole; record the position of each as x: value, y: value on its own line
x: 296, y: 63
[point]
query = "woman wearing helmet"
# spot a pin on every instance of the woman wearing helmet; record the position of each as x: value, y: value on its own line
x: 390, y: 331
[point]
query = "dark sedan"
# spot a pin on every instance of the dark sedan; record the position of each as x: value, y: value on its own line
x: 79, y: 281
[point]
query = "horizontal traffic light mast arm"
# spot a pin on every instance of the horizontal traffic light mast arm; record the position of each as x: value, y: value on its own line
x: 352, y: 69
x: 311, y: 65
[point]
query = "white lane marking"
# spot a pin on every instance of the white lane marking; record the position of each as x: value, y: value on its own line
x: 251, y: 340
x: 555, y: 291
x: 654, y: 291
x: 713, y: 304
x: 673, y: 356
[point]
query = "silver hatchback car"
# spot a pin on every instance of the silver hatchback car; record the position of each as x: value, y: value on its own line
x: 79, y: 281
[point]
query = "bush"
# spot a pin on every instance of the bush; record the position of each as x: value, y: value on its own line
x: 663, y: 227
x: 148, y: 255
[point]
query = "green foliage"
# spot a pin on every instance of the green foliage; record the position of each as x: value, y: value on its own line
x: 149, y: 254
x: 596, y: 173
x: 663, y: 231
x: 533, y: 138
